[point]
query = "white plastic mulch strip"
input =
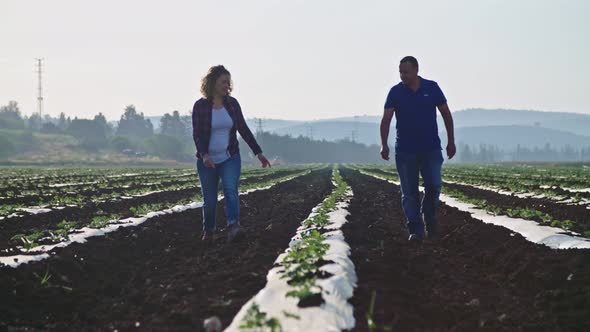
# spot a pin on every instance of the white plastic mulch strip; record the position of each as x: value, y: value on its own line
x: 578, y: 190
x: 39, y: 210
x: 124, y: 175
x: 35, y: 210
x: 335, y: 314
x: 81, y: 235
x: 552, y: 237
x: 59, y: 185
x: 556, y: 198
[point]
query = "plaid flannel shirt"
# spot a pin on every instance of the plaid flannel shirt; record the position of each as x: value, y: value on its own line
x: 202, y: 127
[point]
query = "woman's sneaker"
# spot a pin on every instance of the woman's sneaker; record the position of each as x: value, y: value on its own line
x: 207, y: 236
x: 414, y: 237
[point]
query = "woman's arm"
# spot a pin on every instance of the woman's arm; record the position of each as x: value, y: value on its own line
x: 248, y: 136
x: 195, y: 117
x: 202, y: 149
x: 245, y: 132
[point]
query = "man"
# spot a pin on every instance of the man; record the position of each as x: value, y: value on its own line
x: 417, y: 149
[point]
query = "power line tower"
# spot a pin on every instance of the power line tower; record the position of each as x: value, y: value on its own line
x: 259, y: 129
x: 310, y: 132
x: 40, y: 91
x: 355, y: 131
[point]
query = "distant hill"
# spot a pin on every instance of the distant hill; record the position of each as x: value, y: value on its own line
x: 571, y: 122
x: 272, y: 125
x: 508, y: 137
x: 478, y: 117
x: 498, y: 127
x: 500, y: 124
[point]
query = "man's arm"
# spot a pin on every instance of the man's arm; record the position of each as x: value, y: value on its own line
x: 448, y: 118
x: 385, y: 123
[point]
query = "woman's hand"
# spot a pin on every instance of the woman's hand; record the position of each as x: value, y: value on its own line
x: 263, y: 160
x: 208, y: 162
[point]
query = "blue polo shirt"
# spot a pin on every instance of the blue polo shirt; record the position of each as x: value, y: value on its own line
x: 415, y: 113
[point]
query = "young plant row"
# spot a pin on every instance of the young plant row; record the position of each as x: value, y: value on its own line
x: 98, y: 185
x: 301, y: 265
x: 104, y: 185
x: 518, y: 187
x: 39, y: 178
x: 34, y: 237
x: 72, y: 199
x: 489, y: 182
x: 303, y: 260
x: 519, y: 178
x: 573, y: 177
x: 523, y: 213
x: 380, y: 173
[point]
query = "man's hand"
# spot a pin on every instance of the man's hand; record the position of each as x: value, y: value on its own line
x: 208, y: 162
x: 445, y: 112
x: 451, y: 150
x: 263, y: 160
x: 384, y: 130
x: 385, y: 152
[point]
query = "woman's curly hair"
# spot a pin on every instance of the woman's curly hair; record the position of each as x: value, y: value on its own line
x: 208, y: 82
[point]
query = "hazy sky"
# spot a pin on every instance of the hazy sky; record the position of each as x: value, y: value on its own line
x: 293, y: 59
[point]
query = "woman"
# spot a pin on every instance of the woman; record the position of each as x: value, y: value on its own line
x: 216, y: 118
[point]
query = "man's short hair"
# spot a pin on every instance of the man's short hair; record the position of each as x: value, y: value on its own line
x: 409, y: 59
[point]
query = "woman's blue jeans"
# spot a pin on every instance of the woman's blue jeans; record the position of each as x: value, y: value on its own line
x: 229, y: 172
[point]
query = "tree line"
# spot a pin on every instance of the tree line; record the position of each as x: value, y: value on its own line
x: 485, y: 153
x: 134, y: 134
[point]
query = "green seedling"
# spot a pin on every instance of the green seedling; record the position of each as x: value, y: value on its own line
x: 291, y: 315
x: 28, y: 244
x: 257, y: 321
x: 145, y: 209
x: 43, y: 280
x: 100, y: 221
x: 371, y: 324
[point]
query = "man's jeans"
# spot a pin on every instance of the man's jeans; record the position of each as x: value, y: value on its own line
x: 409, y: 165
x: 229, y: 173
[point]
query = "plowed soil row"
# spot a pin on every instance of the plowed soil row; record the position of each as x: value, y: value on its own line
x: 159, y: 275
x: 475, y: 277
x: 83, y: 215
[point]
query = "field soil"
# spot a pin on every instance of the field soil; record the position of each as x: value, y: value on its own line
x: 83, y: 215
x: 474, y: 277
x: 160, y: 275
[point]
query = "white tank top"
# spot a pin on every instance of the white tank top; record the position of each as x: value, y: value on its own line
x: 221, y: 123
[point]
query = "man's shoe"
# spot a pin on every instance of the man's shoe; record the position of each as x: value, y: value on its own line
x: 234, y: 232
x: 415, y: 238
x: 432, y: 230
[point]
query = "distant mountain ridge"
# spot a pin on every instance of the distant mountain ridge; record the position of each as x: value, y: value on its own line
x: 477, y: 117
x: 575, y: 123
x: 500, y: 127
x: 558, y: 129
x: 508, y: 137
